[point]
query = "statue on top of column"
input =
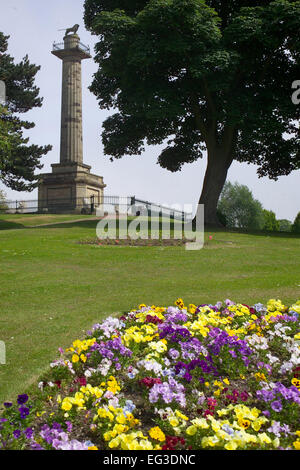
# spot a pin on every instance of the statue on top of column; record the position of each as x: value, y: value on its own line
x: 73, y: 30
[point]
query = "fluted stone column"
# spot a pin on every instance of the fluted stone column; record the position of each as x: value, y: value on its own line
x: 71, y: 108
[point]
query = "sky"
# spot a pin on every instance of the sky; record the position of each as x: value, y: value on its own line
x: 33, y: 27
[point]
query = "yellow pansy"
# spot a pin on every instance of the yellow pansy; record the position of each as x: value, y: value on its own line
x: 191, y: 430
x: 296, y: 444
x: 201, y: 423
x: 66, y: 404
x: 157, y: 434
x: 296, y: 382
x: 180, y: 415
x: 264, y: 438
x: 75, y: 358
x: 179, y: 302
x: 231, y: 445
x: 192, y: 308
x: 244, y: 423
x: 173, y: 421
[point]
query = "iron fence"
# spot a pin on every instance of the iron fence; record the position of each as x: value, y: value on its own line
x: 90, y: 205
x: 151, y: 208
x: 59, y: 46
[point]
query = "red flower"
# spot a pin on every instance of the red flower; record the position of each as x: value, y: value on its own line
x: 150, y: 381
x: 172, y: 442
x: 81, y: 381
x: 244, y: 396
x: 212, y: 403
x: 153, y: 319
x: 296, y: 372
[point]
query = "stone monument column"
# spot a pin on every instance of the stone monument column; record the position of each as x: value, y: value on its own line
x: 71, y: 187
x: 71, y: 105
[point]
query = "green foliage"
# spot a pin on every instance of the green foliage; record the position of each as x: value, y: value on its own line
x: 5, y: 130
x: 18, y: 160
x: 285, y: 225
x: 270, y: 222
x: 199, y: 75
x: 202, y: 73
x: 3, y: 204
x: 296, y: 224
x: 239, y: 207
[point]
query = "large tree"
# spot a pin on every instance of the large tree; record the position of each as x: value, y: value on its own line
x: 200, y: 75
x: 18, y: 160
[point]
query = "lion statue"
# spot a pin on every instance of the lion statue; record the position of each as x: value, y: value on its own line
x: 73, y: 30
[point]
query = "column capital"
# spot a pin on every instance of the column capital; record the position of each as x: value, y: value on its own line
x: 71, y: 48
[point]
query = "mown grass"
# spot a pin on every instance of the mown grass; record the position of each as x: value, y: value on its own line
x: 14, y: 221
x: 53, y: 288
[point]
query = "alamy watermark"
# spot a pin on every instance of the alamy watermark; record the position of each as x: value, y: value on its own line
x: 149, y: 223
x: 296, y: 94
x: 2, y: 353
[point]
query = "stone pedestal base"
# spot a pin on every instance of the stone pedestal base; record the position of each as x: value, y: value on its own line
x: 70, y: 188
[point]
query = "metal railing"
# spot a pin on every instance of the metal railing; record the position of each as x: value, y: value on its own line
x: 151, y: 208
x: 59, y: 46
x: 84, y: 48
x: 108, y: 204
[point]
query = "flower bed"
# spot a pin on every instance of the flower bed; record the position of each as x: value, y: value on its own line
x: 136, y: 242
x: 199, y: 377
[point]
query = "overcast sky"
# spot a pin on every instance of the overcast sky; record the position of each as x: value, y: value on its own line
x: 33, y: 26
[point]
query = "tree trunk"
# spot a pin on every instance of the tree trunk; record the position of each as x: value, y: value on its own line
x: 218, y: 164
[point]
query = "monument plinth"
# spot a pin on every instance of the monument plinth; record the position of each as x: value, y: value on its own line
x: 71, y: 187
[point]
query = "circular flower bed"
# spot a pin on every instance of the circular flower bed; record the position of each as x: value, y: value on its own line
x: 224, y: 376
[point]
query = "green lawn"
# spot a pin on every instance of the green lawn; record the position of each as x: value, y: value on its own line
x: 12, y: 221
x: 53, y: 288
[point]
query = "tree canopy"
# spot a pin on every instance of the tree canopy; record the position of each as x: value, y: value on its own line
x: 199, y: 75
x: 271, y: 224
x: 239, y: 207
x: 285, y: 225
x: 18, y: 160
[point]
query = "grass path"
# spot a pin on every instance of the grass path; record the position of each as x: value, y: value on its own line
x: 52, y: 288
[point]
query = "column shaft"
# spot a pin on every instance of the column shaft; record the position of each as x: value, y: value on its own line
x: 71, y: 113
